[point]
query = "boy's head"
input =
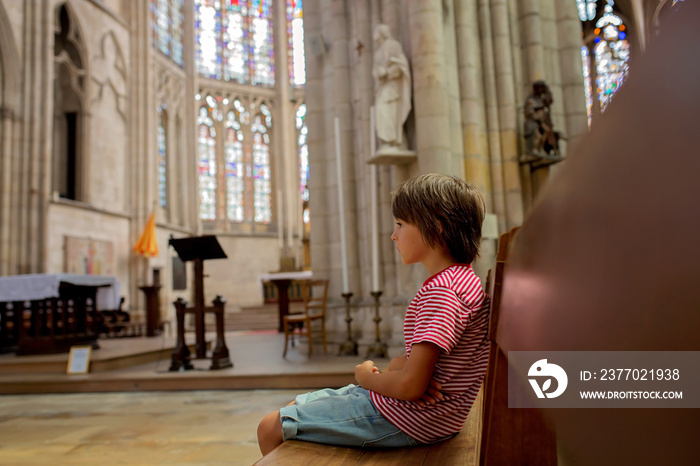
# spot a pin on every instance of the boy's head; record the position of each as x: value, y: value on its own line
x: 447, y: 210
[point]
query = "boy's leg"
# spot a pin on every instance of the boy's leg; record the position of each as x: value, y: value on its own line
x: 270, y: 433
x: 343, y: 417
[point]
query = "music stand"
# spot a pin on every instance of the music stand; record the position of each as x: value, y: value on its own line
x: 198, y: 249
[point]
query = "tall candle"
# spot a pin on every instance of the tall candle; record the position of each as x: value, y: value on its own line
x: 373, y: 206
x: 341, y: 209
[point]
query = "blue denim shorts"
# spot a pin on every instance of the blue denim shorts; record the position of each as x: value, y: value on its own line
x: 344, y: 417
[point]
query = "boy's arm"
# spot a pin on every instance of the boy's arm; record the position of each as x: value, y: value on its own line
x: 409, y: 383
x: 397, y: 363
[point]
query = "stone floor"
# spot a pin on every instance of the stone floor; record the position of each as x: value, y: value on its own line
x: 215, y: 425
x: 136, y: 428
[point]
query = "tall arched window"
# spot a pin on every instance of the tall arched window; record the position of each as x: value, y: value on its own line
x: 206, y: 148
x: 162, y: 157
x: 235, y: 186
x: 295, y: 43
x: 167, y: 27
x: 68, y: 106
x: 302, y: 132
x: 234, y: 41
x: 234, y: 45
x: 605, y: 53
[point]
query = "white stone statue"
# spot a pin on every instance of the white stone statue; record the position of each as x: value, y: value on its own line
x: 392, y: 91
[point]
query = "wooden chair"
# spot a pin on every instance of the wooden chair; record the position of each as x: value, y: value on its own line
x: 314, y: 304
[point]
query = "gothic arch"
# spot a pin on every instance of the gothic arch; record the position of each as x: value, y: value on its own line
x: 70, y: 121
x: 9, y: 107
x: 9, y: 66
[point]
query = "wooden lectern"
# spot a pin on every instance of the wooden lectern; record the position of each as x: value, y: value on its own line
x: 198, y: 249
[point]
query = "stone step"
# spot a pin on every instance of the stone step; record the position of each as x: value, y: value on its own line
x: 249, y: 318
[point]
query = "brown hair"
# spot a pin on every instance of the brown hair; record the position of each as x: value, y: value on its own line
x: 447, y: 210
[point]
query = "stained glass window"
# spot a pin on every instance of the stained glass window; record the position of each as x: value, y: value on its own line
x: 605, y: 53
x: 162, y: 158
x: 586, y: 9
x: 295, y: 43
x: 176, y: 29
x: 245, y: 183
x: 611, y: 55
x: 206, y: 142
x: 235, y: 168
x: 585, y: 57
x: 234, y: 41
x: 262, y: 122
x: 302, y: 132
x: 167, y: 27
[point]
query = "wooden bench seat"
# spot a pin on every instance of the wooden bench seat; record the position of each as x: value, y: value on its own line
x: 461, y: 449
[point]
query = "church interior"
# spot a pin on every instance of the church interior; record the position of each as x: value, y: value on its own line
x: 179, y: 179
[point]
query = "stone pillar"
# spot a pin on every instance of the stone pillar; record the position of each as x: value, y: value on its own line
x: 6, y: 188
x: 474, y: 124
x: 531, y: 24
x: 339, y: 104
x: 574, y: 97
x: 37, y: 108
x: 287, y: 172
x: 430, y: 88
x: 142, y: 143
x: 491, y: 110
x: 476, y: 155
x: 453, y: 89
x: 507, y: 108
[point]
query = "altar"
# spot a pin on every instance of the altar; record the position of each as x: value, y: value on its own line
x: 49, y: 313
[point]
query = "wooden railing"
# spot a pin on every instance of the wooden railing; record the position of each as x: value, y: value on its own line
x: 50, y: 325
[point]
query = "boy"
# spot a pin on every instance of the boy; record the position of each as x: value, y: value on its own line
x: 424, y: 396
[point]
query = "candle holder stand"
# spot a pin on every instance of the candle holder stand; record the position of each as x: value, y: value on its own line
x: 348, y: 347
x: 378, y: 349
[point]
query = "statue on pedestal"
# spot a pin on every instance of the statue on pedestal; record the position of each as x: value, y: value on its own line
x: 392, y: 87
x: 541, y: 139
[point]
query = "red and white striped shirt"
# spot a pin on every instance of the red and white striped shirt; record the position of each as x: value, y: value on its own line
x: 450, y: 311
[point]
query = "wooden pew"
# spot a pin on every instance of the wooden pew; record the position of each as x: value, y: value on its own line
x: 510, y: 436
x: 492, y: 435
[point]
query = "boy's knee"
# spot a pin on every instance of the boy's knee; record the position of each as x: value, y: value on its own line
x: 270, y: 432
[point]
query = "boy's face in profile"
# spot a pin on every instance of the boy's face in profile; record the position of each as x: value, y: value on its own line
x: 409, y: 242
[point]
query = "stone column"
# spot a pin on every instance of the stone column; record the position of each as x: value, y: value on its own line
x: 360, y: 59
x: 574, y: 97
x: 531, y: 24
x: 491, y: 111
x: 476, y: 156
x: 6, y: 188
x: 507, y: 108
x: 472, y: 99
x: 287, y: 172
x: 430, y: 88
x: 37, y: 107
x: 142, y: 143
x: 319, y: 167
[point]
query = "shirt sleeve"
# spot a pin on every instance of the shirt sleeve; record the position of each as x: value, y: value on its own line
x: 438, y: 319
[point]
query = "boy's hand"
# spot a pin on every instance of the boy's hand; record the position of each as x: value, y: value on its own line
x: 364, y: 369
x: 432, y: 394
